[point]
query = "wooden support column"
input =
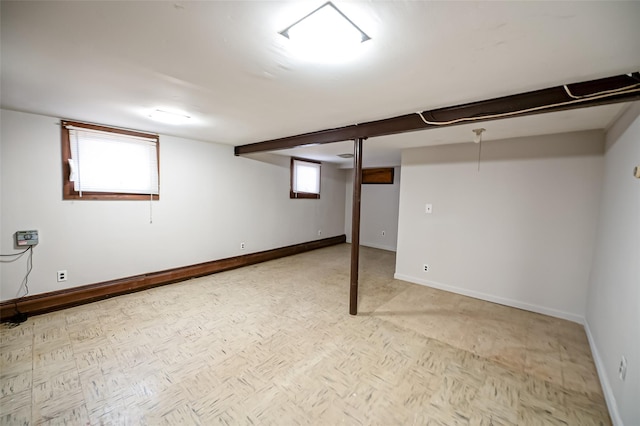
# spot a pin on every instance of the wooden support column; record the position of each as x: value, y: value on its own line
x: 355, y: 225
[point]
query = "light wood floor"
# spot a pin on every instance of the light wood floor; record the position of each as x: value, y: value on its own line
x: 273, y: 344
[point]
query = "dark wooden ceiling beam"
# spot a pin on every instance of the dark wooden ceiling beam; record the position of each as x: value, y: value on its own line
x: 539, y: 101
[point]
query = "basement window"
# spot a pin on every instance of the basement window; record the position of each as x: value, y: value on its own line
x: 105, y: 163
x: 305, y: 178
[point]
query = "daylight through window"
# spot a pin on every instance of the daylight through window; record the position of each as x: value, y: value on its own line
x: 106, y: 163
x: 305, y: 178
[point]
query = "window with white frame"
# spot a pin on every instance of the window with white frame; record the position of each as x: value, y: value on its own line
x: 305, y: 178
x: 101, y: 162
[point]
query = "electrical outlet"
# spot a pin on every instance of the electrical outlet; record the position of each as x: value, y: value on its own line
x: 241, y: 246
x: 62, y: 276
x: 622, y: 370
x: 383, y: 233
x: 426, y: 267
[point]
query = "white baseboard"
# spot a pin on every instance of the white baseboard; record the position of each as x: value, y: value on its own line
x: 492, y: 298
x: 378, y: 246
x: 604, y: 380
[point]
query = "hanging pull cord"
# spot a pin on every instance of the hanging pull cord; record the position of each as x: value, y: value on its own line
x: 479, y: 153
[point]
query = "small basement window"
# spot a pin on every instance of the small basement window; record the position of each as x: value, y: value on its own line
x: 105, y: 163
x: 305, y: 178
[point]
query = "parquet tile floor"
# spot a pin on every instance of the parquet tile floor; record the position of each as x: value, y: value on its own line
x: 272, y: 344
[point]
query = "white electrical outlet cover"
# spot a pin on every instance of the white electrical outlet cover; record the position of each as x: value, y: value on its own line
x: 622, y: 370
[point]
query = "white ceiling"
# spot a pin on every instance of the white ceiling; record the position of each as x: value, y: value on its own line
x: 225, y: 64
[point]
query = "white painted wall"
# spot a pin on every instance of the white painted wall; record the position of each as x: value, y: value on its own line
x: 378, y: 212
x: 519, y: 232
x: 2, y: 259
x: 210, y: 202
x: 613, y: 310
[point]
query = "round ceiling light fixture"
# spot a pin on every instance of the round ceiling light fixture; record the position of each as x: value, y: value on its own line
x: 169, y: 117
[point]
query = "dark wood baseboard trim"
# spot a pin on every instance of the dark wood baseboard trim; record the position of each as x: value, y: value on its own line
x: 56, y: 300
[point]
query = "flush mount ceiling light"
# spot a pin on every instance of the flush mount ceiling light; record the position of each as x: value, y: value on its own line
x: 169, y: 117
x: 324, y: 33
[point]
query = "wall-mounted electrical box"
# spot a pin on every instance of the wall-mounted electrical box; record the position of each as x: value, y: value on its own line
x: 26, y: 238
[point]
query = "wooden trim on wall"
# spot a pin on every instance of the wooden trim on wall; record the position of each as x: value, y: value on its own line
x: 379, y: 176
x: 308, y: 195
x: 56, y: 300
x: 68, y: 191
